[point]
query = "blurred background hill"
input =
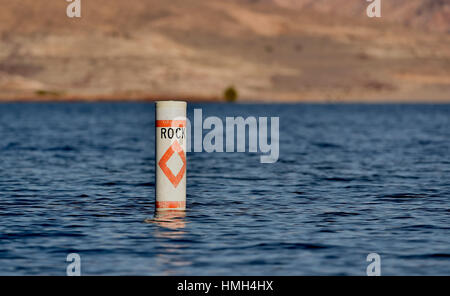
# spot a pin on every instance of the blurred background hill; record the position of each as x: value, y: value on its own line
x: 267, y: 50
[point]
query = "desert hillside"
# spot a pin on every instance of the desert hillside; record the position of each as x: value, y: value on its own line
x: 269, y: 50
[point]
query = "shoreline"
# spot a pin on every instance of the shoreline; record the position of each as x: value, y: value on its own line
x: 201, y: 99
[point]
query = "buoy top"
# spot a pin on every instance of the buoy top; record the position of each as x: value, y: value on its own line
x: 171, y: 104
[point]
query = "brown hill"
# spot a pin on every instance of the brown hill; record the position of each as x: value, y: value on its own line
x: 271, y: 50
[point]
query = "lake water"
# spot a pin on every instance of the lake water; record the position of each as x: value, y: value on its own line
x: 350, y: 180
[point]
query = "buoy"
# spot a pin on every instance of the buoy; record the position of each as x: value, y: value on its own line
x: 170, y: 155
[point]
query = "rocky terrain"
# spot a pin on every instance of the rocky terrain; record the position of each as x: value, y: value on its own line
x: 269, y: 50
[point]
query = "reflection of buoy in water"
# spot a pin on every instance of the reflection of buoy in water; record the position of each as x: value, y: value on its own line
x: 170, y: 155
x: 171, y: 219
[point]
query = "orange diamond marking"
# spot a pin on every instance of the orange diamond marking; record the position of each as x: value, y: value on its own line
x: 175, y: 147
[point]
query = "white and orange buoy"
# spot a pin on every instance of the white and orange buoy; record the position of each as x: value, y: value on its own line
x: 170, y: 155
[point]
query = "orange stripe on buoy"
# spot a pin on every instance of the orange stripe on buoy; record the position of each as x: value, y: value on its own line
x: 171, y: 123
x: 170, y: 204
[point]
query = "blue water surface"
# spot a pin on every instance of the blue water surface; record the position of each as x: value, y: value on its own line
x: 350, y: 180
